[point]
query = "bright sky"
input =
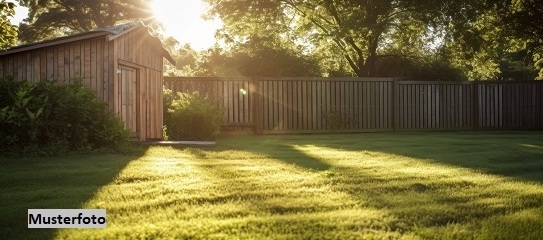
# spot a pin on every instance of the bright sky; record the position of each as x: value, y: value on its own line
x: 20, y: 13
x: 182, y: 19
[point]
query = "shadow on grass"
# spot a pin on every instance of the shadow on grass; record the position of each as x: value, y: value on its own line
x: 517, y: 155
x: 285, y: 152
x: 65, y: 182
x: 511, y: 154
x: 440, y: 205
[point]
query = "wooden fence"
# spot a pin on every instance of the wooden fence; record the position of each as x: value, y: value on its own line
x: 294, y: 105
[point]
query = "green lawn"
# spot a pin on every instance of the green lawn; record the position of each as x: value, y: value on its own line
x: 349, y: 186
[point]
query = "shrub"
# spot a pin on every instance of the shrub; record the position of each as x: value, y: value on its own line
x: 191, y: 116
x: 50, y: 118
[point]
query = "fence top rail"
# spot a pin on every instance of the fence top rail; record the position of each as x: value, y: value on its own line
x: 203, y: 79
x: 332, y: 79
x: 405, y: 82
x: 343, y: 79
x: 409, y: 82
x: 328, y: 79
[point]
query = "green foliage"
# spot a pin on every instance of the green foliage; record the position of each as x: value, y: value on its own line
x: 165, y: 136
x: 54, y: 18
x: 518, y: 66
x: 419, y: 69
x: 191, y: 116
x: 8, y: 32
x: 538, y: 63
x: 48, y: 118
x: 354, y: 30
x: 473, y: 40
x: 258, y: 57
x: 185, y: 57
x: 339, y: 118
x: 524, y: 19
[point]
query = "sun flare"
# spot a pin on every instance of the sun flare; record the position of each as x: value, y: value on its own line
x: 183, y: 20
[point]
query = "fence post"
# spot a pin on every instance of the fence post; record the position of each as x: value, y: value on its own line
x: 396, y: 107
x: 475, y: 106
x: 257, y: 105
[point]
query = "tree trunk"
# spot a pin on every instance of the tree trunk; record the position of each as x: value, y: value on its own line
x: 372, y: 57
x: 366, y: 67
x: 371, y: 66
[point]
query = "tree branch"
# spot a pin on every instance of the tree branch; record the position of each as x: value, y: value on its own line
x: 353, y: 65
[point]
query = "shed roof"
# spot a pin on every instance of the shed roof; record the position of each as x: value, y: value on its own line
x: 110, y: 32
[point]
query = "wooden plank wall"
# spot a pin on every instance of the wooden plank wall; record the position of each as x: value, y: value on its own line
x: 136, y: 49
x: 514, y: 105
x: 434, y: 105
x: 153, y: 106
x: 89, y: 60
x: 96, y: 62
x: 298, y: 105
x: 333, y: 104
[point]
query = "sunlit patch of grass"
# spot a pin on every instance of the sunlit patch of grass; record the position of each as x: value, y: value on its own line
x: 351, y: 186
x: 431, y: 195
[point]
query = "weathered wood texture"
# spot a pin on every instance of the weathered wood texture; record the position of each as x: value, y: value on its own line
x: 141, y: 52
x: 297, y: 105
x: 98, y: 62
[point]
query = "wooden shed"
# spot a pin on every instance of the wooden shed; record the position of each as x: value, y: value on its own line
x: 123, y: 64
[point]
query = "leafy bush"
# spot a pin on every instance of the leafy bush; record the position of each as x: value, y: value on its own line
x: 50, y: 118
x: 419, y: 69
x: 191, y: 116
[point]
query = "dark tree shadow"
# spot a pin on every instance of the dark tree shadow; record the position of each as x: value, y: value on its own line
x: 277, y: 149
x: 515, y: 155
x: 511, y: 154
x: 65, y: 182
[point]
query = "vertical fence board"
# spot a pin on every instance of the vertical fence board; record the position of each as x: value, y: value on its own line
x: 344, y: 104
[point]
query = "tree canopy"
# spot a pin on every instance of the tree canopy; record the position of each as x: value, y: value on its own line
x: 355, y: 29
x: 487, y: 39
x: 260, y: 56
x: 8, y: 32
x: 422, y: 39
x: 525, y: 21
x: 53, y: 18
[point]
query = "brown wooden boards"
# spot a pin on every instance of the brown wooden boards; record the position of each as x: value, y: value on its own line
x: 305, y: 105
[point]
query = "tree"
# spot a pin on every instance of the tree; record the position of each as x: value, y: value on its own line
x: 475, y: 45
x: 185, y: 58
x: 266, y: 56
x: 523, y: 18
x: 8, y: 32
x: 53, y: 18
x: 353, y: 28
x: 498, y: 41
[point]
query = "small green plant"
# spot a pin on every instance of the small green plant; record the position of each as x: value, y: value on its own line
x: 339, y: 118
x: 165, y: 136
x: 191, y: 116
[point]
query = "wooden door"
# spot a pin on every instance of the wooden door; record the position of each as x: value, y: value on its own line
x: 129, y: 104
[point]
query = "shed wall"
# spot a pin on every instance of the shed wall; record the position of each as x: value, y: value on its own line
x: 89, y: 60
x: 96, y: 61
x: 139, y: 50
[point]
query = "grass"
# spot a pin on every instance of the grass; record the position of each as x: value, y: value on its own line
x: 348, y: 186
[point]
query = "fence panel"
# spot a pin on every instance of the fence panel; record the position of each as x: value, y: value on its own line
x: 321, y: 104
x: 291, y: 105
x: 511, y: 105
x: 232, y: 94
x: 434, y: 106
